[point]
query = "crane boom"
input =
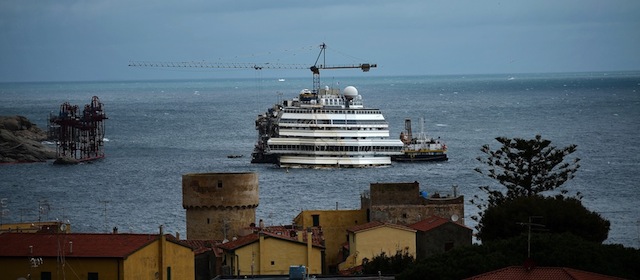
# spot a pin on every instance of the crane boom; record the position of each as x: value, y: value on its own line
x: 315, y: 69
x: 203, y: 64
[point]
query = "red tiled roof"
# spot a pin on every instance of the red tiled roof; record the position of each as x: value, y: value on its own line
x: 377, y: 224
x: 240, y: 242
x: 201, y: 246
x: 540, y: 273
x: 273, y: 232
x: 432, y: 222
x: 74, y: 244
x: 429, y: 223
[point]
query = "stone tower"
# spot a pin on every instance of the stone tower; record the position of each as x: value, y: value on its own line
x: 219, y: 205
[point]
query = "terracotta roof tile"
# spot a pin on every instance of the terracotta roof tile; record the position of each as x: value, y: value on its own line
x: 73, y: 244
x: 540, y: 273
x: 239, y: 242
x: 201, y: 246
x: 291, y: 232
x: 275, y: 232
x: 432, y: 222
x: 377, y: 224
x: 429, y: 223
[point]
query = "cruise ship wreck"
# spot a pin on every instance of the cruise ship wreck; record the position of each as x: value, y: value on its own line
x: 327, y: 128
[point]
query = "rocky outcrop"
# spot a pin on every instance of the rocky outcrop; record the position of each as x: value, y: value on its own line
x: 20, y: 141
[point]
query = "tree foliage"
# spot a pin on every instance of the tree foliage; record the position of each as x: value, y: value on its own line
x: 524, y: 168
x: 547, y: 249
x: 388, y: 265
x: 555, y: 215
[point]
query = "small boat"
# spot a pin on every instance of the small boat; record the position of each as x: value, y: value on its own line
x: 234, y: 156
x: 421, y: 148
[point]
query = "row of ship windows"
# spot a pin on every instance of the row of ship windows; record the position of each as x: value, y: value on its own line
x: 334, y: 128
x: 359, y: 122
x: 333, y: 111
x: 334, y: 148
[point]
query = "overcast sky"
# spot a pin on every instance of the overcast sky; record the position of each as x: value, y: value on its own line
x: 94, y: 40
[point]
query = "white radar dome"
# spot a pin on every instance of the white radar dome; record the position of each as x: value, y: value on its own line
x: 350, y: 92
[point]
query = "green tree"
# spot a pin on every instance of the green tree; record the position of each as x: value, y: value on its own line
x: 524, y: 168
x: 388, y: 265
x: 557, y: 215
x: 547, y: 249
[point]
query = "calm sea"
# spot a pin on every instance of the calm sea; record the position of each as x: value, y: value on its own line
x: 159, y: 130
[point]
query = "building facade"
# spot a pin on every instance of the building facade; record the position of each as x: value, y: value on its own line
x: 267, y: 253
x: 94, y: 256
x: 372, y: 239
x: 404, y: 203
x: 436, y: 235
x: 334, y: 224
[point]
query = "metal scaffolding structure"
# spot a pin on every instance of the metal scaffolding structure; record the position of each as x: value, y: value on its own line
x: 79, y: 137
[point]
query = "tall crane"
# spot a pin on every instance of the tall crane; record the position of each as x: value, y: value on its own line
x: 315, y: 69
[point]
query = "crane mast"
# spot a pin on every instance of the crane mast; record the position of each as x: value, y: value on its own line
x: 315, y: 69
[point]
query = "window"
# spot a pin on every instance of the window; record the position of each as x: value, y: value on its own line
x: 92, y: 276
x: 316, y: 220
x: 448, y: 246
x: 45, y: 275
x: 219, y: 183
x: 168, y: 273
x: 273, y: 263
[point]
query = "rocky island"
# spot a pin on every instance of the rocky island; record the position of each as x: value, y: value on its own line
x: 21, y: 141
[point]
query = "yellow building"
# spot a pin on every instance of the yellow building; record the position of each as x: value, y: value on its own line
x: 50, y: 227
x: 268, y: 253
x: 372, y: 239
x: 46, y: 256
x: 334, y: 224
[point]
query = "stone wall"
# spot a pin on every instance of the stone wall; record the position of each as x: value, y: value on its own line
x: 409, y: 214
x: 395, y: 193
x: 219, y: 205
x: 402, y: 203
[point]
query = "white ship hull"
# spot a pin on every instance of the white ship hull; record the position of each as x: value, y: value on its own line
x: 333, y: 162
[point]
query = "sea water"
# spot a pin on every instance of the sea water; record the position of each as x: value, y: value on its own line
x: 159, y: 130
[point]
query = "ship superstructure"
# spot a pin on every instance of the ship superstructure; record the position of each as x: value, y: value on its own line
x: 327, y: 128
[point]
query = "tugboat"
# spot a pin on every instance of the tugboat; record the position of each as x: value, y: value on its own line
x: 421, y: 148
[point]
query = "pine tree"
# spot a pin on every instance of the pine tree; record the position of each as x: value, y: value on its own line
x: 524, y: 168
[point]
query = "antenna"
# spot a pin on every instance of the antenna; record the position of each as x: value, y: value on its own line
x: 529, y: 224
x: 104, y: 202
x: 43, y: 209
x: 4, y: 212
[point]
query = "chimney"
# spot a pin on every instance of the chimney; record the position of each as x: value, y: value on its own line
x: 177, y: 235
x: 161, y: 229
x: 115, y: 230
